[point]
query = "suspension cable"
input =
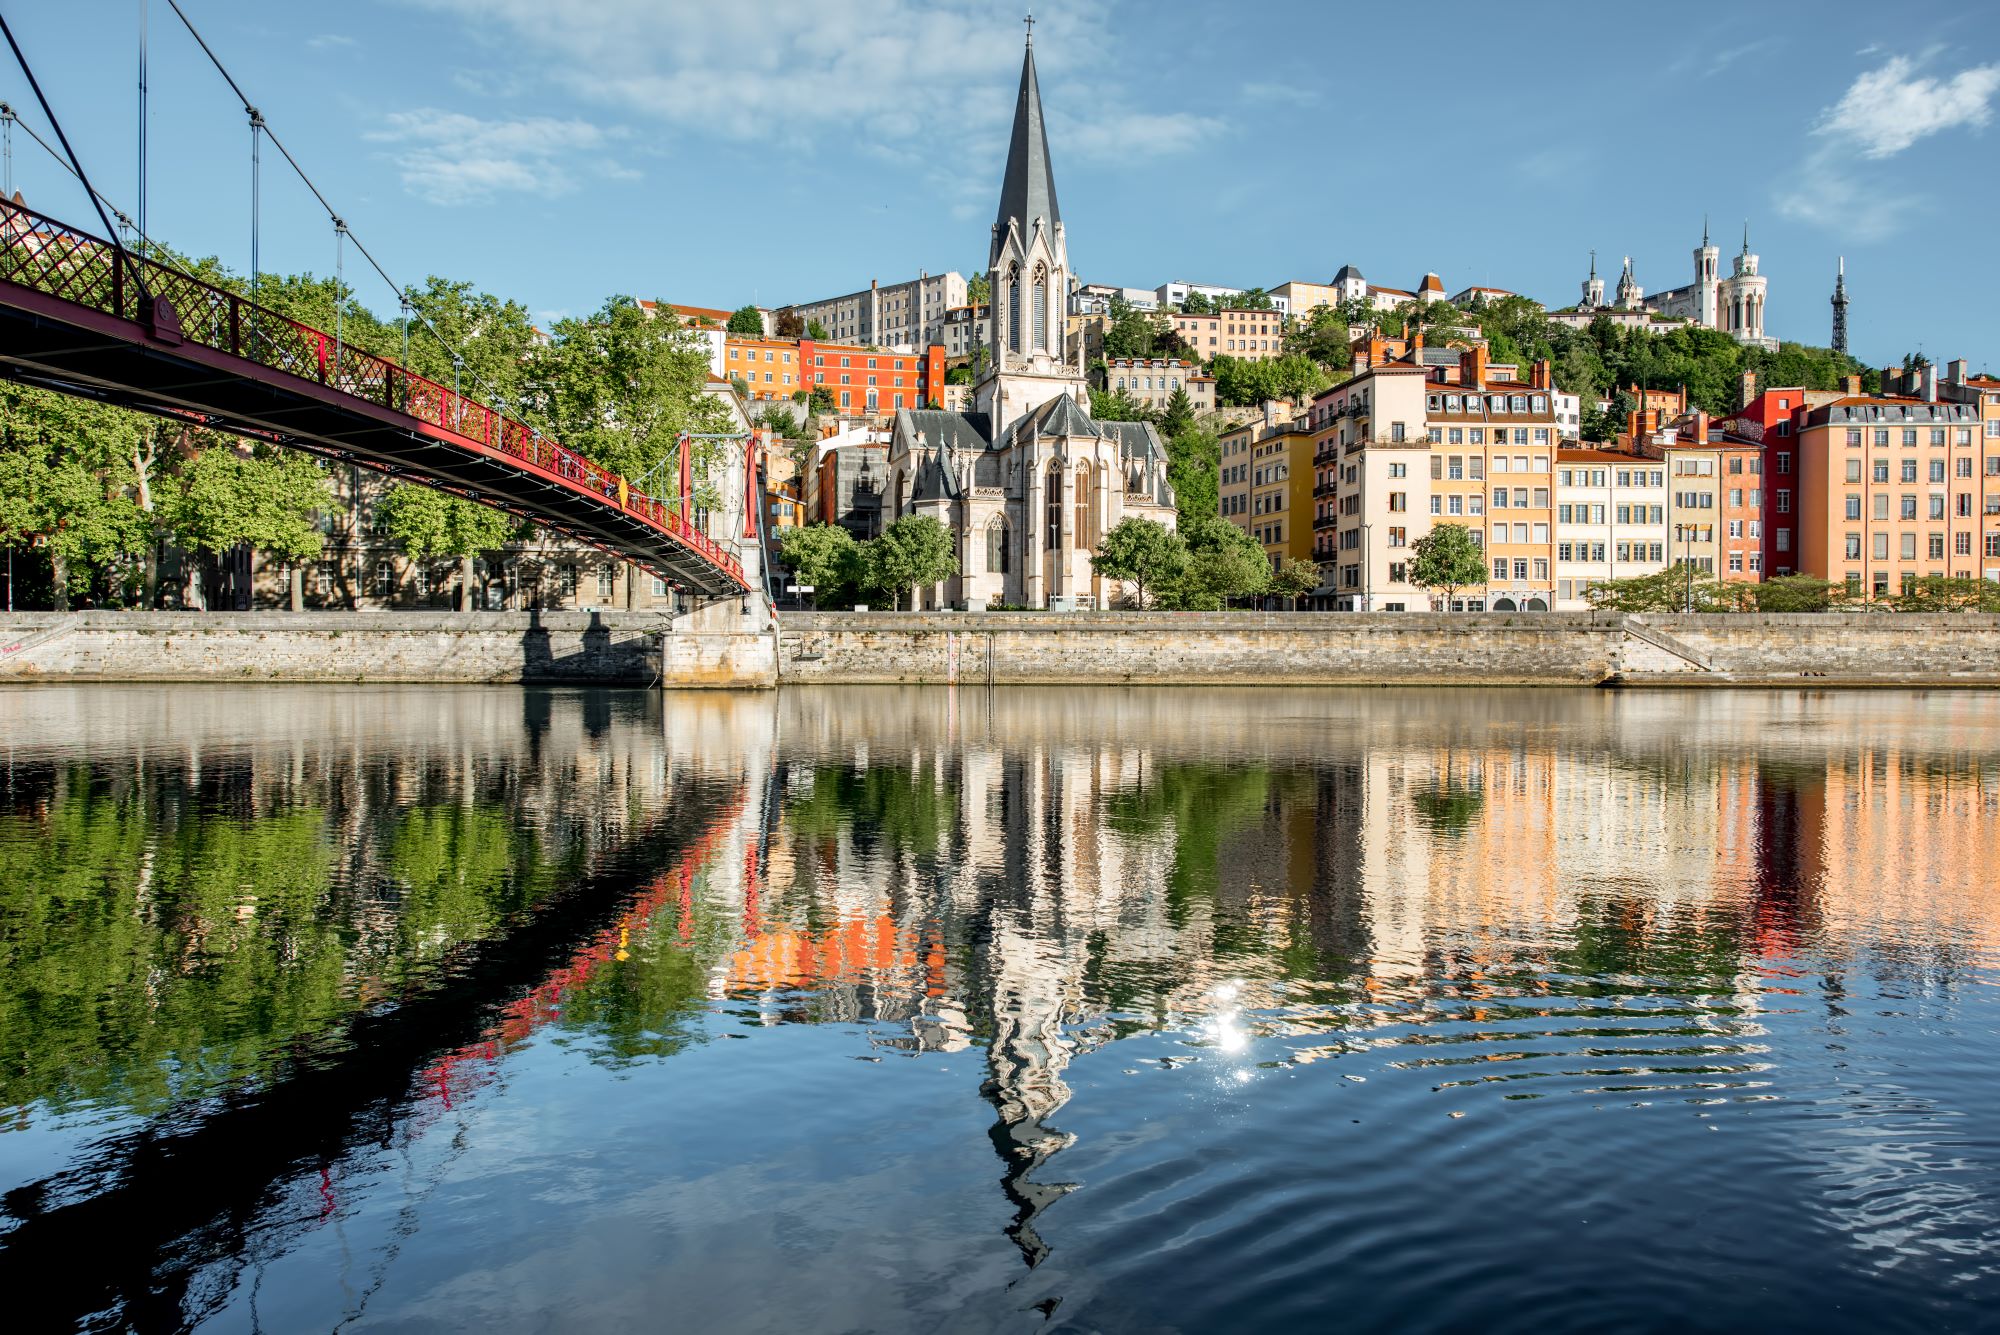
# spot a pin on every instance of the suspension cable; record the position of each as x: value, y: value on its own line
x: 259, y: 124
x: 9, y: 118
x: 96, y: 200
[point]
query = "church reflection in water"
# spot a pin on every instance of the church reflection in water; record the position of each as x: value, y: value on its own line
x: 1034, y: 873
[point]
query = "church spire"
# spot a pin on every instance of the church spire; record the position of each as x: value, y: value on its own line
x: 1028, y: 191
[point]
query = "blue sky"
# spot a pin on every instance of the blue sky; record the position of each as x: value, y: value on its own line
x: 558, y: 151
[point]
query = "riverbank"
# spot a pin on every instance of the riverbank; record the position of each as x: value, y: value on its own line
x: 1006, y: 649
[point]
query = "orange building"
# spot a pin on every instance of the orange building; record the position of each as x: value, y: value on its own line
x: 769, y: 366
x: 864, y: 380
x: 1890, y: 489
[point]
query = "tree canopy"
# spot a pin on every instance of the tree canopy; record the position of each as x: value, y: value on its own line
x: 915, y: 550
x: 1447, y: 559
x: 746, y: 320
x: 1142, y: 552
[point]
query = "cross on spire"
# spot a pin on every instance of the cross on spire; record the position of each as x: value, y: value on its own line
x: 1031, y: 30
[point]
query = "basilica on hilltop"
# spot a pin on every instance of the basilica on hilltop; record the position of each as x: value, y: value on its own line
x: 1734, y: 305
x: 1027, y: 482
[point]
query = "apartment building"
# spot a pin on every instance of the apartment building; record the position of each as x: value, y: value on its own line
x: 1408, y: 445
x: 899, y: 315
x: 1611, y: 521
x: 768, y: 368
x: 1250, y: 335
x: 1151, y: 382
x: 1891, y: 489
x: 964, y: 332
x: 869, y: 380
x: 1267, y: 483
x: 1169, y: 296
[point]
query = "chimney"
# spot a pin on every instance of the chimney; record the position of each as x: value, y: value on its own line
x: 1539, y: 376
x: 1927, y: 378
x: 1748, y: 391
x: 1853, y: 386
x: 1472, y: 366
x: 1417, y: 348
x: 1270, y: 412
x: 1700, y: 426
x: 1954, y: 371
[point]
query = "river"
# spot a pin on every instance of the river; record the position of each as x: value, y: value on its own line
x: 884, y: 1009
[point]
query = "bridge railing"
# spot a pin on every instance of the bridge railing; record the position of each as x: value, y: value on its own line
x: 50, y: 257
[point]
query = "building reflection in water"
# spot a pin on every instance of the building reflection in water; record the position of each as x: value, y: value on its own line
x: 1036, y: 872
x: 1473, y: 884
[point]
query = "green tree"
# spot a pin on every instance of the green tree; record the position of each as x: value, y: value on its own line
x: 978, y: 290
x: 428, y: 524
x: 816, y: 331
x: 1295, y: 579
x: 1116, y: 405
x: 1142, y: 552
x: 825, y: 557
x: 268, y: 498
x: 821, y: 400
x: 1194, y: 469
x: 1250, y: 299
x: 622, y: 387
x: 1680, y: 587
x: 915, y: 550
x: 1197, y: 303
x: 1223, y: 562
x: 491, y: 338
x: 1178, y: 415
x: 1447, y: 559
x: 789, y: 325
x: 1799, y: 593
x: 1945, y: 593
x: 69, y: 480
x: 747, y: 320
x: 1130, y: 332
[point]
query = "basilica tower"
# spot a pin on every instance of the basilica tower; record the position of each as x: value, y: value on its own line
x: 1707, y: 271
x: 1028, y: 267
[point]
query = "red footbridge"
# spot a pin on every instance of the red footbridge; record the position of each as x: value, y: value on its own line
x: 86, y: 317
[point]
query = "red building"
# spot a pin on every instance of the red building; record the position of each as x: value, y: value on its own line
x: 864, y: 380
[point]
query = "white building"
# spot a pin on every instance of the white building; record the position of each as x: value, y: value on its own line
x: 1611, y: 521
x: 903, y: 316
x: 1174, y: 293
x: 1733, y: 305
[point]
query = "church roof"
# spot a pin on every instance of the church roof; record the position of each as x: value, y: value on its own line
x: 936, y: 481
x: 947, y: 430
x: 1028, y: 191
x: 1348, y: 271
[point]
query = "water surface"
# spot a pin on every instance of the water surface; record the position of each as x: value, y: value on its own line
x: 1096, y: 1010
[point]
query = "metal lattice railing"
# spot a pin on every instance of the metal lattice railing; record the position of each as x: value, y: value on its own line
x: 49, y: 257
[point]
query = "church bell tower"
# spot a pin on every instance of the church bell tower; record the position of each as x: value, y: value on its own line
x: 1028, y: 268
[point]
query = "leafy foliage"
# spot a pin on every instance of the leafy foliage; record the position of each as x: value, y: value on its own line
x: 746, y: 320
x: 1241, y: 382
x: 1117, y: 405
x: 826, y: 557
x: 816, y: 331
x: 621, y: 387
x: 1945, y: 593
x: 1223, y: 562
x: 269, y: 500
x: 1295, y: 578
x: 915, y: 550
x: 428, y: 523
x: 1143, y: 552
x: 1447, y: 559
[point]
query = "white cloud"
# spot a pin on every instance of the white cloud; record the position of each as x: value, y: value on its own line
x: 795, y: 74
x: 1887, y: 110
x: 328, y: 41
x: 448, y: 157
x: 1827, y: 192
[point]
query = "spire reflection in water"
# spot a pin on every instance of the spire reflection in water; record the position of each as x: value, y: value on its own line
x: 1424, y: 1011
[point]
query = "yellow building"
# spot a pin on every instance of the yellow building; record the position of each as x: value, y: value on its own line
x: 1266, y: 483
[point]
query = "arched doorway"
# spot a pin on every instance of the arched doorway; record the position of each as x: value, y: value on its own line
x: 1503, y: 605
x: 1534, y: 605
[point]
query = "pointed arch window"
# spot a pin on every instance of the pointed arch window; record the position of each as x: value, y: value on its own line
x: 996, y: 546
x: 1080, y: 535
x: 1052, y: 525
x: 1041, y: 309
x: 1014, y: 310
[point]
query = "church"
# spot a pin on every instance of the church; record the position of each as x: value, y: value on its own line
x: 1733, y: 305
x: 1027, y: 483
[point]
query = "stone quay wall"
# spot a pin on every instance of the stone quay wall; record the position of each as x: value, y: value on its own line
x: 548, y: 647
x: 733, y: 649
x: 1388, y: 648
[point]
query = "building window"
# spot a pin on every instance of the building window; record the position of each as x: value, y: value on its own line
x: 607, y: 577
x: 996, y: 546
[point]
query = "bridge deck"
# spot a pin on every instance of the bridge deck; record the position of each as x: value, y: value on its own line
x: 80, y: 317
